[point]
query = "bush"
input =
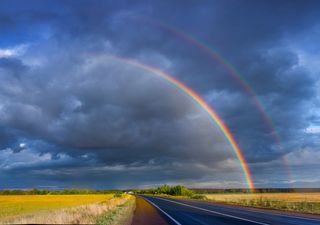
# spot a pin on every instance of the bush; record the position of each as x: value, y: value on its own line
x: 200, y: 197
x: 177, y: 190
x: 180, y: 191
x: 117, y: 195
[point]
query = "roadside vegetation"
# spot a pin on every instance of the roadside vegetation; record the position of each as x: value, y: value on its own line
x: 112, y: 207
x: 63, y: 209
x: 35, y: 191
x: 165, y: 189
x: 297, y: 202
x: 177, y: 191
x: 121, y: 214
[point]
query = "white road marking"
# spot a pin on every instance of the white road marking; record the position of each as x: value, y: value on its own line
x: 282, y: 215
x: 211, y: 211
x: 296, y: 217
x: 170, y: 217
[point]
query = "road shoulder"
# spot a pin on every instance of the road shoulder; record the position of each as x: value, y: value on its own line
x: 146, y: 214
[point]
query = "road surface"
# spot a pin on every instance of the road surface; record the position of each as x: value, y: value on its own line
x: 191, y: 212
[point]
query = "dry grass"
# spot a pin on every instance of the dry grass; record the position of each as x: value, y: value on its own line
x: 300, y: 202
x: 56, y: 209
x: 288, y: 197
x: 13, y: 205
x: 122, y: 214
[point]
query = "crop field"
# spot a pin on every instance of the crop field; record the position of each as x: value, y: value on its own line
x: 57, y: 208
x: 299, y: 202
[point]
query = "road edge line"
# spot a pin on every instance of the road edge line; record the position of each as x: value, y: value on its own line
x: 279, y: 213
x: 211, y: 211
x: 161, y: 210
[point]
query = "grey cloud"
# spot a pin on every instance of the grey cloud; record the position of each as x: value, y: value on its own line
x: 116, y: 113
x: 77, y: 102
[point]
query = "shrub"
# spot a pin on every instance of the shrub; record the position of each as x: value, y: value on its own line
x: 117, y: 195
x: 177, y: 190
x: 200, y: 197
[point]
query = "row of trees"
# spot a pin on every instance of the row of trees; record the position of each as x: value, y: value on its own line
x: 58, y: 192
x: 177, y: 190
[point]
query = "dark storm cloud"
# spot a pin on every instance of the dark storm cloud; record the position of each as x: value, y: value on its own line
x: 67, y: 102
x: 87, y: 112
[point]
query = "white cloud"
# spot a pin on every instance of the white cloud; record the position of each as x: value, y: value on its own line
x: 22, y: 145
x: 303, y: 157
x: 9, y: 159
x: 315, y: 180
x: 27, y: 158
x: 12, y: 52
x: 313, y: 130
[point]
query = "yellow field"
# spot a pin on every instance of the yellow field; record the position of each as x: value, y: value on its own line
x: 14, y: 205
x: 68, y: 209
x: 287, y: 197
x: 302, y: 202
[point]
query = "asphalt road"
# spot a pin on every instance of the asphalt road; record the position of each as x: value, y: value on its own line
x: 190, y: 212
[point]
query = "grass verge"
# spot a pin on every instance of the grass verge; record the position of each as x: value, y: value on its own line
x: 296, y: 202
x: 122, y: 214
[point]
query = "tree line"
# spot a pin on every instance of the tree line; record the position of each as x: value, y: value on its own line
x: 36, y: 191
x: 176, y: 190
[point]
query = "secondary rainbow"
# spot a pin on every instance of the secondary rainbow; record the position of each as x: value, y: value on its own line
x: 213, y: 54
x: 224, y: 63
x: 231, y: 71
x: 198, y: 99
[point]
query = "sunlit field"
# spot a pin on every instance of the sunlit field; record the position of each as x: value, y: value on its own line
x: 22, y: 204
x: 300, y: 202
x: 57, y: 208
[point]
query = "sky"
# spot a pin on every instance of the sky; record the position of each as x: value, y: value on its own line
x: 75, y: 113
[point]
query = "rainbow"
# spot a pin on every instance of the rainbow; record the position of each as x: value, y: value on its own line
x: 197, y: 98
x: 231, y: 71
x: 214, y: 55
x: 224, y: 63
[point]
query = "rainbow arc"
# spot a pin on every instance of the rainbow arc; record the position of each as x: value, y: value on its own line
x: 201, y: 102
